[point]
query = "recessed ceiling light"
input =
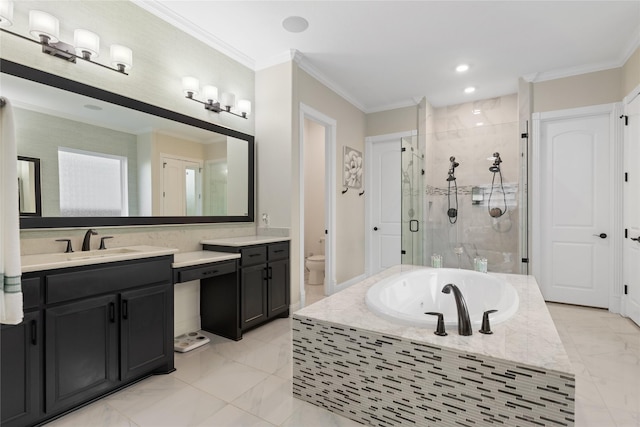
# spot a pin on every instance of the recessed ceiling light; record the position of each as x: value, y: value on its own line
x: 462, y: 68
x: 93, y: 107
x: 295, y: 24
x: 479, y: 123
x: 469, y: 89
x: 476, y: 111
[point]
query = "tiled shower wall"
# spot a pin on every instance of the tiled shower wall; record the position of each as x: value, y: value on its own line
x: 472, y: 132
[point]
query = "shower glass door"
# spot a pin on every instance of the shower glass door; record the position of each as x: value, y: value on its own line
x: 412, y: 190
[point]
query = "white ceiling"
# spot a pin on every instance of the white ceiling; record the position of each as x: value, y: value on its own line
x: 387, y: 54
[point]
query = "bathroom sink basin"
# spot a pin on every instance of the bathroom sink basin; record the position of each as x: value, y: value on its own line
x: 101, y: 253
x: 40, y: 262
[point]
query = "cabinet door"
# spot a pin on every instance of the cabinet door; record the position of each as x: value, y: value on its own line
x: 253, y: 295
x: 20, y: 371
x: 146, y: 330
x: 82, y: 351
x: 278, y: 287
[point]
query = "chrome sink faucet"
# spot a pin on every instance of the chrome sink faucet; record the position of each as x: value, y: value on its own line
x: 464, y: 322
x: 86, y: 243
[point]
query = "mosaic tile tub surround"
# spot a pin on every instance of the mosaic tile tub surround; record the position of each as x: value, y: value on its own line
x: 351, y: 362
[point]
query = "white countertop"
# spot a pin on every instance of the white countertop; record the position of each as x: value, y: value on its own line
x: 188, y: 259
x: 41, y: 262
x: 529, y: 337
x: 245, y: 240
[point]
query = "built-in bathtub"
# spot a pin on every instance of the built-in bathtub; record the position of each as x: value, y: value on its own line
x: 354, y: 362
x: 406, y: 296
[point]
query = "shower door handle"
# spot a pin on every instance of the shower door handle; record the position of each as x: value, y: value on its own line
x: 414, y: 225
x: 601, y: 235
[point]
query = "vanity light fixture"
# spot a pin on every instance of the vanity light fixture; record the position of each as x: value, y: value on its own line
x: 227, y: 102
x: 45, y: 30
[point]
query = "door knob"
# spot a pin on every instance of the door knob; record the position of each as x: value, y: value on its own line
x: 375, y: 228
x: 637, y: 239
x: 601, y: 235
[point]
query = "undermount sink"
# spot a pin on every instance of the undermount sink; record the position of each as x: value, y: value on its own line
x: 101, y: 253
x: 62, y: 260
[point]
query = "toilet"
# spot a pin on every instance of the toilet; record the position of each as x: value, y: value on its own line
x: 315, y: 265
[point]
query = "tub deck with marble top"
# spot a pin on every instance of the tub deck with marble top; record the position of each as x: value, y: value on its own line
x: 380, y: 373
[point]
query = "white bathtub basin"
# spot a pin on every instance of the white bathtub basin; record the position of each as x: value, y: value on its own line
x: 405, y: 297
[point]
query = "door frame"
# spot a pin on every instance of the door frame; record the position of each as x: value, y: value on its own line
x: 631, y: 96
x: 368, y: 179
x: 330, y: 125
x: 616, y: 160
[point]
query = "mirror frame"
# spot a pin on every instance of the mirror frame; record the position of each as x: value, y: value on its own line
x: 28, y: 222
x: 36, y: 186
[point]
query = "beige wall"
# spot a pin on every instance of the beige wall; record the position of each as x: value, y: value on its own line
x: 392, y: 121
x: 601, y: 87
x: 350, y: 129
x: 631, y: 73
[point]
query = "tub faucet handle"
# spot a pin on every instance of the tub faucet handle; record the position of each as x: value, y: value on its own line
x: 440, y: 326
x: 486, y: 327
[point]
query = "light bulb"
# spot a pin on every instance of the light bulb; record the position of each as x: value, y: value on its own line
x: 42, y: 25
x: 121, y: 58
x: 190, y: 85
x: 210, y: 93
x: 244, y: 107
x: 6, y: 13
x: 87, y: 44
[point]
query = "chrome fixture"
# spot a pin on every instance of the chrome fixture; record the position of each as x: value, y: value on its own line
x: 464, y: 323
x: 45, y: 30
x: 227, y: 102
x: 495, y: 168
x: 86, y: 243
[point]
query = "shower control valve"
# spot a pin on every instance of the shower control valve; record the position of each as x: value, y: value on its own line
x: 637, y: 239
x: 601, y: 235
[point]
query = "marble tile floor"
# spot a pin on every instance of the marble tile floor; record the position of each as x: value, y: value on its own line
x: 248, y: 382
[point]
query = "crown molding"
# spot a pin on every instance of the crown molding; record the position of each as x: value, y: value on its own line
x: 306, y: 65
x: 195, y: 31
x: 286, y: 56
x: 395, y: 106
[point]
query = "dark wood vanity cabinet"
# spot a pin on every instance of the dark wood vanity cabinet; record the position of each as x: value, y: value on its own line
x: 264, y: 283
x: 20, y: 374
x: 91, y: 330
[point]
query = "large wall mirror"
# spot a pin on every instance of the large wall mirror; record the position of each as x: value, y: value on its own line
x: 108, y: 160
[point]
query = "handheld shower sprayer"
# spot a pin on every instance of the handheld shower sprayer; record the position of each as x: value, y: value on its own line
x: 452, y: 168
x: 452, y: 212
x: 495, y: 168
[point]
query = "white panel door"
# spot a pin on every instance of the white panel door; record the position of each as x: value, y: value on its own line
x: 386, y: 205
x: 631, y: 200
x: 576, y: 210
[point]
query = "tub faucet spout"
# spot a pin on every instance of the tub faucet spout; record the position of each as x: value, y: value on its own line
x: 464, y: 322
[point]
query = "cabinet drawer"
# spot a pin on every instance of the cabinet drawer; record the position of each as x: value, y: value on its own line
x: 278, y: 251
x: 206, y: 271
x: 253, y: 255
x: 98, y: 280
x: 31, y: 292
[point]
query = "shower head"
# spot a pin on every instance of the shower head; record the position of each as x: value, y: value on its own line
x: 452, y: 168
x: 454, y: 164
x: 495, y: 167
